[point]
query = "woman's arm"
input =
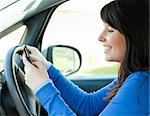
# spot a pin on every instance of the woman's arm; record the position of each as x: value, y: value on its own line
x: 35, y: 76
x: 132, y: 99
x: 81, y: 102
x: 50, y: 99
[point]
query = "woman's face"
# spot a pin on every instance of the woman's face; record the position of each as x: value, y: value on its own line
x: 114, y: 44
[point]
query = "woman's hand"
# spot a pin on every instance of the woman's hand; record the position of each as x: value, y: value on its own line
x: 36, y: 55
x: 35, y: 73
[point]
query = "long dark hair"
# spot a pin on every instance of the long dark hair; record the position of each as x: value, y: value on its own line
x: 131, y: 18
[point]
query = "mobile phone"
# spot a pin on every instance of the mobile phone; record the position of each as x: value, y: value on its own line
x: 27, y: 53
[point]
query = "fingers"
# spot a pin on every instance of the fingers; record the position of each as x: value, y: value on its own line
x: 28, y: 65
x: 30, y: 48
x: 39, y: 65
x: 25, y: 61
x: 34, y: 58
x: 35, y: 63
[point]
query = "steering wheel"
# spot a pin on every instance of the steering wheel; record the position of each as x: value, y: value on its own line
x: 24, y: 99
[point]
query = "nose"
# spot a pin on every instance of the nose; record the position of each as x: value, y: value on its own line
x: 102, y: 38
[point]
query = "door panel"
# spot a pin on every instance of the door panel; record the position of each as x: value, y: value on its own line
x: 92, y: 83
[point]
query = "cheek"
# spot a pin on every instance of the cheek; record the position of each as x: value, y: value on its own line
x: 119, y: 51
x: 118, y: 48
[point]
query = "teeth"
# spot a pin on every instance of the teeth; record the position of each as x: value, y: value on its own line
x: 106, y: 48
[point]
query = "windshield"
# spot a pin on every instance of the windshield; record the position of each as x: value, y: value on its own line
x: 9, y: 41
x: 6, y: 3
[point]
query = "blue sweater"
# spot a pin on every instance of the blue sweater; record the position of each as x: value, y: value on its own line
x: 63, y: 98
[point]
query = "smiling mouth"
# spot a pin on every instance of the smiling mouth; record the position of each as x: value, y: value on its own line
x: 106, y: 49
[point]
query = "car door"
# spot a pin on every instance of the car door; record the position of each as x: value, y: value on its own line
x: 77, y: 23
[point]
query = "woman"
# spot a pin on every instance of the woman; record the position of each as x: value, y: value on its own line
x: 126, y: 40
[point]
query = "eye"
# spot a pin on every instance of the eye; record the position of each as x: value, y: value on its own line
x: 110, y: 30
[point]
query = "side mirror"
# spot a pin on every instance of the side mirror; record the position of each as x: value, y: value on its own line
x: 65, y: 58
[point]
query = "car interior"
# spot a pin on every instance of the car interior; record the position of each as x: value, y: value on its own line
x: 41, y: 23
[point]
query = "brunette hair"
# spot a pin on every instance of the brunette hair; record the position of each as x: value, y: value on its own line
x: 131, y: 18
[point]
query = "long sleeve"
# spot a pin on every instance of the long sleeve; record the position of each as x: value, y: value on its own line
x: 132, y: 99
x: 80, y: 102
x: 51, y: 100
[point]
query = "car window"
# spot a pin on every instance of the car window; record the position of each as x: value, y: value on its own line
x: 8, y: 41
x: 77, y: 23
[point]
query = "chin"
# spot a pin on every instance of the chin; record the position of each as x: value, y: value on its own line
x: 109, y: 59
x: 112, y: 60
